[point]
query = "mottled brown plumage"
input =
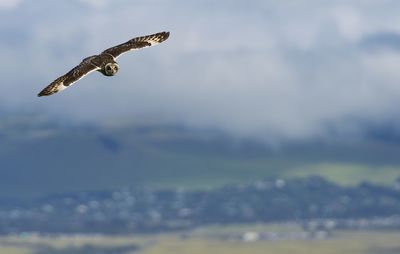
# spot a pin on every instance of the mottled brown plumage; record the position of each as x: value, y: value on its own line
x: 104, y: 62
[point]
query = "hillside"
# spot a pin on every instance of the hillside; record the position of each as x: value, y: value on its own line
x: 39, y: 156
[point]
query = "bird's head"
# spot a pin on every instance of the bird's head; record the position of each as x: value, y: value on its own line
x: 111, y: 69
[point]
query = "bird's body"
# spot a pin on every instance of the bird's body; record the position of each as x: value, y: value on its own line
x: 104, y: 62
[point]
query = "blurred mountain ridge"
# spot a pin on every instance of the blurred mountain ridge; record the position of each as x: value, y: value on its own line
x: 41, y: 156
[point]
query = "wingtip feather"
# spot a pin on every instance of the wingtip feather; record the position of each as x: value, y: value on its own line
x: 41, y: 94
x: 166, y: 35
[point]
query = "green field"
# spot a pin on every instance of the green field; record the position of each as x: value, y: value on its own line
x: 343, y: 243
x: 349, y: 242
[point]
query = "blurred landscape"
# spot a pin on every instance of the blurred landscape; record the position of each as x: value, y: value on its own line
x: 257, y: 127
x: 367, y: 242
x: 147, y: 187
x: 88, y: 157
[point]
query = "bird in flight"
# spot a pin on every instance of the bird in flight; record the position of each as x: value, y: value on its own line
x: 104, y: 62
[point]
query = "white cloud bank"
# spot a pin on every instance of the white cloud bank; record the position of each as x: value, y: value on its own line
x: 97, y: 4
x: 9, y: 4
x: 275, y: 69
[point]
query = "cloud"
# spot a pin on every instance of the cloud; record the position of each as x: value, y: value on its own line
x: 384, y: 40
x: 97, y: 4
x: 9, y: 4
x: 276, y: 70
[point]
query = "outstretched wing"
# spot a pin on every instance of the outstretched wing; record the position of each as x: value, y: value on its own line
x: 84, y: 68
x: 137, y: 43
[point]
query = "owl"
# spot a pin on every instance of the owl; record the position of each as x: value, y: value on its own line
x: 104, y: 63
